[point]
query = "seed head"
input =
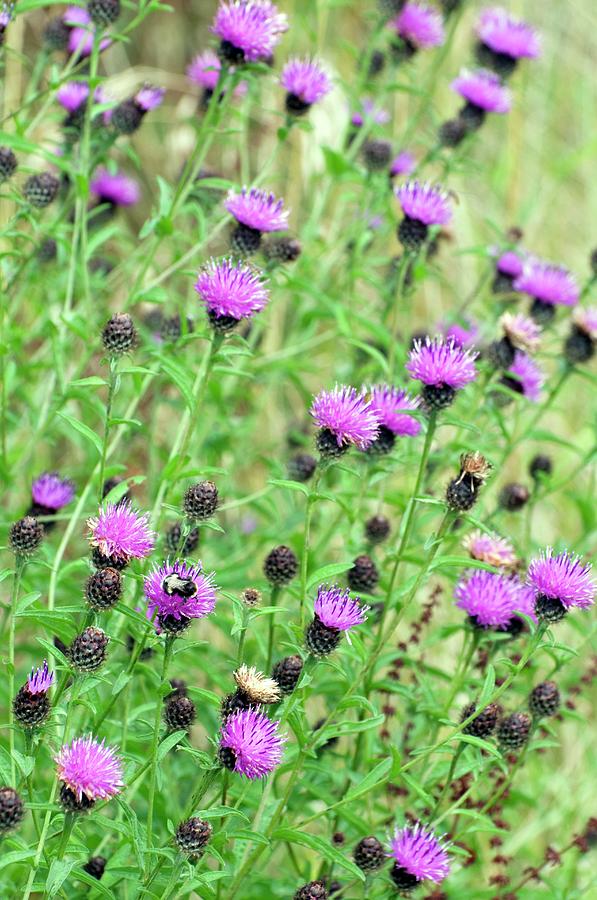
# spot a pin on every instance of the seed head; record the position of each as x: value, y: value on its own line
x: 119, y: 335
x: 179, y: 712
x: 25, y: 536
x: 256, y: 686
x: 89, y: 649
x: 514, y: 731
x: 280, y: 566
x: 545, y: 699
x: 287, y: 672
x: 12, y: 810
x: 192, y: 836
x: 200, y: 501
x: 369, y: 854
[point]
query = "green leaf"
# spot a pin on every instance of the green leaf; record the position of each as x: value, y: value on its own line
x: 325, y: 572
x: 376, y: 776
x: 7, y: 859
x: 481, y: 744
x: 25, y: 763
x: 91, y: 380
x: 59, y: 872
x: 322, y: 847
x: 84, y: 430
x: 291, y: 485
x: 170, y: 741
x: 121, y: 682
x: 180, y: 378
x: 488, y: 687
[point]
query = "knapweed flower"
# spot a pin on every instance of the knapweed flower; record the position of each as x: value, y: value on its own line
x: 419, y: 27
x: 403, y: 164
x: 579, y: 346
x: 369, y: 112
x: 423, y: 205
x: 127, y: 117
x: 256, y: 212
x: 121, y: 532
x: 522, y: 332
x: 231, y: 291
x: 508, y: 266
x: 549, y: 286
x: 149, y: 97
x: 72, y: 95
x: 503, y: 40
x: 391, y: 406
x: 418, y: 856
x: 491, y: 549
x: 82, y: 30
x: 525, y: 377
x: 31, y: 706
x: 490, y: 599
x: 179, y: 591
x: 345, y: 417
x: 89, y: 770
x: 49, y: 493
x: 6, y: 16
x: 443, y: 367
x: 335, y: 612
x: 484, y: 93
x: 249, y: 30
x: 560, y: 582
x: 462, y: 492
x: 115, y: 188
x: 305, y: 83
x: 465, y: 333
x: 250, y: 744
x: 204, y: 70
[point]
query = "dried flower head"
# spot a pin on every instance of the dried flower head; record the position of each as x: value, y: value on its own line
x: 256, y: 686
x: 522, y: 331
x: 120, y: 531
x: 250, y: 744
x: 475, y: 464
x: 490, y: 548
x: 88, y: 767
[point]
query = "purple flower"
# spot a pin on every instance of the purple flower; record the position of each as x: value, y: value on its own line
x: 249, y: 29
x: 89, y: 767
x: 231, y: 288
x: 586, y: 320
x: 548, y: 283
x: 563, y: 577
x: 305, y: 81
x: 424, y: 203
x: 250, y: 744
x: 389, y: 405
x: 40, y: 680
x: 484, y: 90
x: 179, y: 589
x: 491, y: 549
x: 506, y: 35
x: 80, y: 40
x: 529, y: 376
x: 149, y: 97
x: 118, y: 530
x: 465, y: 335
x: 52, y: 491
x: 419, y: 853
x: 369, y: 111
x: 336, y: 608
x: 115, y: 188
x: 204, y: 70
x: 525, y: 601
x: 522, y: 332
x: 488, y: 598
x: 509, y: 263
x: 439, y: 362
x: 6, y: 15
x: 257, y: 210
x: 403, y: 164
x: 419, y: 26
x: 347, y: 414
x: 72, y: 95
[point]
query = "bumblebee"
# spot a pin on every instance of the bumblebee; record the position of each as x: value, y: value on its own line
x: 173, y: 585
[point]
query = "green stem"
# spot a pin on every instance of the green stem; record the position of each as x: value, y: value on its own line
x: 69, y: 821
x: 448, y: 781
x: 311, y: 500
x: 156, y: 740
x: 113, y: 380
x: 18, y: 572
x: 207, y: 779
x: 275, y: 596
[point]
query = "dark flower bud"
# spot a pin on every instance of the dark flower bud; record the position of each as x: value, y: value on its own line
x: 200, y: 501
x: 280, y: 566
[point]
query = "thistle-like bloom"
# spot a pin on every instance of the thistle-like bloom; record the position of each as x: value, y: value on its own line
x: 510, y: 263
x: 40, y: 680
x: 491, y: 549
x: 525, y: 376
x: 305, y: 82
x: 347, y: 414
x: 89, y: 768
x: 149, y: 97
x: 204, y: 70
x: 424, y: 203
x: 483, y: 90
x: 115, y: 188
x: 418, y: 853
x: 337, y: 609
x: 231, y: 289
x: 508, y: 36
x: 120, y: 531
x: 440, y: 362
x: 463, y: 334
x: 80, y: 39
x: 490, y: 599
x: 257, y: 210
x: 585, y: 319
x: 256, y: 686
x: 403, y: 164
x: 563, y: 577
x: 51, y: 492
x: 249, y: 30
x: 72, y: 95
x: 522, y: 332
x: 419, y: 26
x: 549, y: 283
x: 391, y: 405
x: 250, y: 744
x: 190, y: 593
x: 369, y: 111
